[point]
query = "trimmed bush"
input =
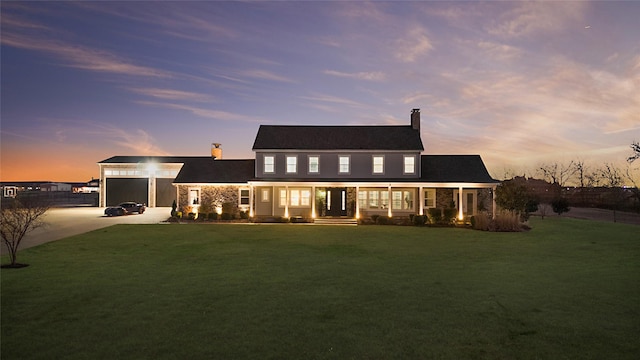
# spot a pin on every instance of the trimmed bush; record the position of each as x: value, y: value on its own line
x: 374, y: 218
x: 449, y: 216
x: 382, y: 220
x: 435, y: 215
x: 226, y: 216
x: 419, y: 220
x: 212, y: 216
x: 244, y: 215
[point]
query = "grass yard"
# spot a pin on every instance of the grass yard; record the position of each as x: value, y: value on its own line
x: 568, y: 289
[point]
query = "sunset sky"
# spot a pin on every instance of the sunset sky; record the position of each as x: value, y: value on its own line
x: 519, y: 83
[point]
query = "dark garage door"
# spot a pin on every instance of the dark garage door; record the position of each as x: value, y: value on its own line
x: 121, y: 190
x: 165, y: 192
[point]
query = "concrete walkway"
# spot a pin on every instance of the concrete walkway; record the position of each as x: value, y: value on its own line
x: 65, y: 222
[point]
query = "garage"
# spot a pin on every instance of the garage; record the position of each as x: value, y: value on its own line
x: 165, y: 192
x: 127, y: 189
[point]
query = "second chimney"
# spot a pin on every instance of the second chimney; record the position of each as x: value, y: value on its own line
x: 216, y: 151
x: 415, y: 119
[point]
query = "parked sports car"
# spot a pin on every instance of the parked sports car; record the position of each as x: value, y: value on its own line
x: 125, y: 208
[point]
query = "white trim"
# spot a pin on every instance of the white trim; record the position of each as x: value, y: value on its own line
x: 264, y: 163
x: 295, y: 164
x: 309, y: 172
x: 404, y: 165
x: 373, y: 164
x: 348, y: 172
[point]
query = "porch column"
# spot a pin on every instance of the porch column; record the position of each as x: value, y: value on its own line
x: 421, y: 199
x: 313, y: 202
x: 460, y: 212
x: 357, y: 202
x: 493, y: 201
x: 389, y: 214
x: 286, y: 205
x: 250, y: 201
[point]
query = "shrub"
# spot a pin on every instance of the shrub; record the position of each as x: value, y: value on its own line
x: 449, y: 216
x: 229, y: 208
x: 212, y: 216
x: 244, y: 215
x: 174, y: 206
x: 435, y: 215
x: 179, y: 214
x: 382, y: 220
x: 481, y: 221
x: 191, y: 216
x: 560, y: 205
x: 226, y: 216
x: 506, y: 221
x: 419, y: 220
x: 374, y: 218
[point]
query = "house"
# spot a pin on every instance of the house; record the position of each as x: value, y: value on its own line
x: 310, y: 172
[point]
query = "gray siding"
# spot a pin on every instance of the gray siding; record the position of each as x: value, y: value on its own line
x: 361, y: 165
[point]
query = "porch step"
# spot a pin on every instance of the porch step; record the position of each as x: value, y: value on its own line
x: 335, y: 221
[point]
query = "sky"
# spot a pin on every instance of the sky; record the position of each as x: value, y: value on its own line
x: 519, y: 83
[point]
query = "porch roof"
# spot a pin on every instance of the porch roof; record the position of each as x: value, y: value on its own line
x: 206, y: 170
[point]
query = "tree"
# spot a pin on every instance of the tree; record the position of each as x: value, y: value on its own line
x: 17, y: 219
x: 513, y: 195
x: 558, y: 173
x: 560, y: 205
x: 612, y: 179
x: 635, y: 147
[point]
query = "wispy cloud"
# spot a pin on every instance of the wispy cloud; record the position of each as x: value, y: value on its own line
x: 170, y: 94
x: 206, y: 113
x: 369, y: 76
x: 332, y: 100
x: 413, y: 45
x: 81, y: 57
x: 528, y: 18
x: 265, y: 75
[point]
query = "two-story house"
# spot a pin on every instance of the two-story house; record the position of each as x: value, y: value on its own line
x: 329, y: 171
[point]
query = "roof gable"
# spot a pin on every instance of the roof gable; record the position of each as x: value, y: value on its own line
x: 277, y: 137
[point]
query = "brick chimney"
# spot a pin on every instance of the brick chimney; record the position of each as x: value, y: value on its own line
x: 415, y: 119
x: 216, y: 151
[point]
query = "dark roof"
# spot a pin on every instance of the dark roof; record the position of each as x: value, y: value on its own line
x: 272, y: 137
x: 206, y: 170
x: 455, y: 168
x: 148, y: 159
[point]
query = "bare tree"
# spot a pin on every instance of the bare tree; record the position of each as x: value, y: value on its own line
x: 16, y: 220
x: 635, y: 147
x: 612, y: 178
x: 558, y: 173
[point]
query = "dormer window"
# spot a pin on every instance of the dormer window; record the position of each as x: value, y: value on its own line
x: 378, y: 164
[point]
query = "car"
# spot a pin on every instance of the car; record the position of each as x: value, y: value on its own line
x: 125, y: 208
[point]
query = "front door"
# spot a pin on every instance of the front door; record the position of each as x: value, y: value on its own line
x: 336, y: 202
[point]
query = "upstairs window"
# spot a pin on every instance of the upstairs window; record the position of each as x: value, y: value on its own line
x: 378, y: 164
x: 269, y: 164
x: 314, y: 164
x: 343, y: 164
x: 292, y: 164
x: 409, y: 164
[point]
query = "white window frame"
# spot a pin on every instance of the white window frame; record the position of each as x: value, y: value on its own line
x: 272, y: 164
x: 292, y: 164
x: 191, y: 201
x: 403, y: 204
x: 377, y: 169
x: 240, y: 197
x: 317, y: 164
x: 348, y: 164
x: 404, y: 164
x: 429, y: 201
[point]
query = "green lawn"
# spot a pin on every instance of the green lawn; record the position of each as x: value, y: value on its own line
x: 568, y: 289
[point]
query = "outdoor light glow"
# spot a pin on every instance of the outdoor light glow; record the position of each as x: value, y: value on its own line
x: 219, y: 210
x: 152, y: 167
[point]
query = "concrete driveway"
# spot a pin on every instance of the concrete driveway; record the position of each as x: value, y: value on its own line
x: 65, y: 222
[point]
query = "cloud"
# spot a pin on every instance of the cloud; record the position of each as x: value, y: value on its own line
x: 528, y: 18
x: 170, y: 94
x: 265, y: 75
x: 332, y: 100
x: 81, y: 57
x: 206, y: 113
x: 369, y: 76
x: 413, y: 45
x: 499, y: 52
